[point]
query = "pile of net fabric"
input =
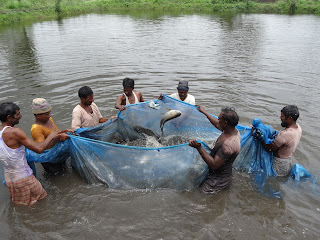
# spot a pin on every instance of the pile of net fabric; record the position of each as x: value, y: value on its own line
x: 131, y: 152
x: 257, y: 162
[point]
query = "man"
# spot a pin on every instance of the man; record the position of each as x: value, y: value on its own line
x: 23, y: 187
x: 225, y: 151
x: 86, y: 114
x: 182, y: 93
x: 286, y: 142
x: 41, y: 129
x: 129, y: 96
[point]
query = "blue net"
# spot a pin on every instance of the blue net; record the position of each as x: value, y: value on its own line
x: 127, y: 167
x: 58, y: 153
x: 253, y: 157
x: 257, y: 162
x: 130, y: 151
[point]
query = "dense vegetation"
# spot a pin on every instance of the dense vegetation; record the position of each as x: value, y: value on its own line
x: 20, y: 10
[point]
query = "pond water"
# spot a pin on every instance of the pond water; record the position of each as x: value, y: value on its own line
x: 255, y: 63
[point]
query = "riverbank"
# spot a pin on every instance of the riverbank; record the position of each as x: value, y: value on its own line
x: 22, y: 10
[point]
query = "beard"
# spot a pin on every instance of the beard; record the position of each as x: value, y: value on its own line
x: 283, y: 124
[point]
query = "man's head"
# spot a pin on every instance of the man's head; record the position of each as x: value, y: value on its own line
x: 228, y: 116
x: 128, y: 86
x: 41, y: 109
x: 10, y: 112
x: 183, y: 89
x: 289, y: 114
x: 86, y: 95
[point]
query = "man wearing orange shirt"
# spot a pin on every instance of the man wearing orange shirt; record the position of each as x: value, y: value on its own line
x: 41, y: 129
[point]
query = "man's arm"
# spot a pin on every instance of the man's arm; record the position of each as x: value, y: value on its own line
x: 214, y: 121
x: 102, y: 120
x: 140, y: 98
x: 39, y: 137
x: 272, y: 147
x: 63, y: 137
x: 76, y: 119
x: 67, y: 130
x: 23, y: 139
x: 213, y: 163
x: 119, y: 103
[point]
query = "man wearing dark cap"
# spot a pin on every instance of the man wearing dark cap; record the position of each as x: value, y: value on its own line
x: 183, y: 94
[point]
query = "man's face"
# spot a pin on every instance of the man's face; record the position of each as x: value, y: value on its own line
x: 128, y: 91
x: 284, y: 120
x: 182, y: 94
x: 44, y: 117
x: 16, y: 117
x: 88, y: 101
x: 222, y: 122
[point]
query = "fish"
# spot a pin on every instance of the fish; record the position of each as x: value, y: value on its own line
x: 168, y: 116
x: 145, y: 131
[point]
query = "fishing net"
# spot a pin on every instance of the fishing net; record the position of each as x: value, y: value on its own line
x: 131, y: 151
x: 58, y: 153
x: 257, y: 162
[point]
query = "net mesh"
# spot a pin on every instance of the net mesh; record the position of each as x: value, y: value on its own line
x: 130, y: 151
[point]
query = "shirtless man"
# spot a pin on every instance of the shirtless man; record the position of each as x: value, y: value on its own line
x: 87, y: 113
x: 286, y: 142
x: 225, y: 151
x: 23, y: 187
x: 129, y: 96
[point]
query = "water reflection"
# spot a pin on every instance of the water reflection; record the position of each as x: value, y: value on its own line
x: 22, y: 68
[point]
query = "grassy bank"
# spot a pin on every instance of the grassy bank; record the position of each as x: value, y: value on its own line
x: 20, y: 10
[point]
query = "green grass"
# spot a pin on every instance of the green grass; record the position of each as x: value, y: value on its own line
x: 14, y: 10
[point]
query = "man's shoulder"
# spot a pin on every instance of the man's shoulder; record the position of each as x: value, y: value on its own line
x: 299, y: 128
x: 190, y: 99
x: 35, y: 127
x: 289, y: 131
x: 77, y: 108
x: 233, y: 143
x: 93, y: 105
x: 174, y: 95
x: 122, y: 96
x: 283, y: 136
x: 51, y: 119
x: 13, y: 131
x: 191, y: 95
x: 138, y: 93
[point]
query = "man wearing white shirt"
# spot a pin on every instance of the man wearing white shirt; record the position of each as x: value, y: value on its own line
x: 183, y: 94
